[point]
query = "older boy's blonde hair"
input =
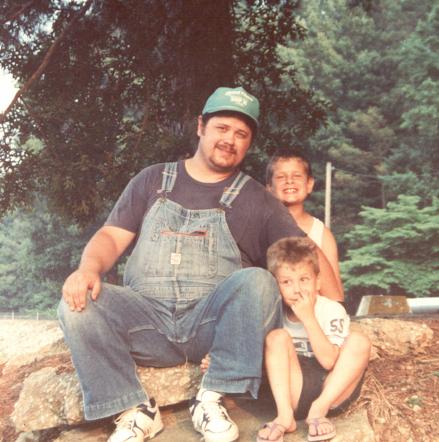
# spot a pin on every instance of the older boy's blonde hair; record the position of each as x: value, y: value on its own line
x: 292, y: 251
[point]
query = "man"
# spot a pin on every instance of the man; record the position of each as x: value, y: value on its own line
x: 194, y: 284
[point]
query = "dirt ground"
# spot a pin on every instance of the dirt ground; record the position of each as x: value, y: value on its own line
x: 400, y: 394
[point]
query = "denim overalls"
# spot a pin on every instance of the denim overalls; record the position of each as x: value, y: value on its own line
x: 184, y: 295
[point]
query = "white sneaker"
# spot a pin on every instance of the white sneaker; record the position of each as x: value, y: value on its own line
x: 138, y: 424
x: 210, y: 418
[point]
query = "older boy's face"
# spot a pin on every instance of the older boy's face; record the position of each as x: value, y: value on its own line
x: 290, y: 182
x: 297, y: 281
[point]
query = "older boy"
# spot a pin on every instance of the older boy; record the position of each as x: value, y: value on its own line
x: 289, y: 178
x: 312, y: 368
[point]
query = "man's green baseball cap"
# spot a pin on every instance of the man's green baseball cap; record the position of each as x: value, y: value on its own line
x: 233, y: 99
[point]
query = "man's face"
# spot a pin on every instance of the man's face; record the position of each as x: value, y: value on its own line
x: 290, y: 182
x: 298, y: 280
x: 223, y: 142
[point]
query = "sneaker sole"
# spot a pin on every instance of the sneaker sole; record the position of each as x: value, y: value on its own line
x: 219, y: 437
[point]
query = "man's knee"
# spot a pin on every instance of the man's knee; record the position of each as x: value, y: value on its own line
x: 74, y: 320
x: 258, y: 282
x: 256, y: 289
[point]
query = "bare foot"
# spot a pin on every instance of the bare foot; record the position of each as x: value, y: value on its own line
x: 318, y: 425
x: 275, y: 429
x: 317, y: 410
x: 320, y: 429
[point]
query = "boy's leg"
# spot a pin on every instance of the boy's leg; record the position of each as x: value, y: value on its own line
x: 285, y: 378
x: 343, y: 379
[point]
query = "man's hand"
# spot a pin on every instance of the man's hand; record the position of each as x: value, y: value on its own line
x: 99, y: 255
x: 303, y: 308
x: 76, y: 287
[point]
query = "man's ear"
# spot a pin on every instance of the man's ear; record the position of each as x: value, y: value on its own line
x: 310, y: 184
x: 318, y: 283
x: 268, y: 187
x: 200, y: 126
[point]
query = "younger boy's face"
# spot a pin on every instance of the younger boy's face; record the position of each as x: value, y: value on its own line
x: 296, y: 281
x: 290, y: 182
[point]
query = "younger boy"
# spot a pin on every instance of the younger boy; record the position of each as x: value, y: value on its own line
x: 311, y: 366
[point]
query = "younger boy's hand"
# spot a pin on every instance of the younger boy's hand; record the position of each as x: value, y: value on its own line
x: 303, y: 307
x: 204, y: 364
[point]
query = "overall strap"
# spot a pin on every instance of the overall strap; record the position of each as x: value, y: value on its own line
x: 231, y: 192
x: 169, y: 177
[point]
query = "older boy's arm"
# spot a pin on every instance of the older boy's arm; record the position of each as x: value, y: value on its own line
x: 324, y: 350
x: 329, y: 285
x: 330, y: 250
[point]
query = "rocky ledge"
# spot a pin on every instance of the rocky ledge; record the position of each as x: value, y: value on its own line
x: 40, y: 389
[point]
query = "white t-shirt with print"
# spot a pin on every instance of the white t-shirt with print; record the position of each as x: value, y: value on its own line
x: 333, y: 320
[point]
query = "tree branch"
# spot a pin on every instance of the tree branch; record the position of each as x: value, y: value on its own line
x: 16, y: 14
x: 37, y: 74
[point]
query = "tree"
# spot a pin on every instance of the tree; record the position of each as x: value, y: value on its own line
x: 116, y: 85
x: 394, y: 251
x: 37, y: 252
x: 374, y: 63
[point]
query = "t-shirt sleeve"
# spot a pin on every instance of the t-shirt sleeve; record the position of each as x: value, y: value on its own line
x: 134, y: 201
x: 336, y: 325
x: 279, y: 223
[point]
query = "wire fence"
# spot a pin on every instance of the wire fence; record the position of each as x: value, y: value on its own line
x: 29, y: 316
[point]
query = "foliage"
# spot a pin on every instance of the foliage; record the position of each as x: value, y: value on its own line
x: 110, y: 86
x: 121, y: 88
x: 376, y: 64
x: 394, y: 250
x: 37, y: 252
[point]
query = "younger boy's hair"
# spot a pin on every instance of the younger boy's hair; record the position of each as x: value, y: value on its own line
x: 292, y: 251
x: 295, y: 152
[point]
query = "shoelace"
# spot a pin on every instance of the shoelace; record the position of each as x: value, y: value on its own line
x: 126, y: 419
x: 214, y: 409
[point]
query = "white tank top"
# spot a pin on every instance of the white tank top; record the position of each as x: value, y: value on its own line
x: 316, y: 232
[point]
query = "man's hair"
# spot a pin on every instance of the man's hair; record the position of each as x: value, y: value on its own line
x: 227, y: 113
x: 291, y: 251
x: 295, y: 152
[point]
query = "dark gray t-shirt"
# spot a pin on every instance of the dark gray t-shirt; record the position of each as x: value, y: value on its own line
x: 256, y: 219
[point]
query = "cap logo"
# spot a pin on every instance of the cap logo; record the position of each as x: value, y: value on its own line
x: 241, y: 98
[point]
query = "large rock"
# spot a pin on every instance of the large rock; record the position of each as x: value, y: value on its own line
x: 42, y: 387
x: 394, y: 337
x: 49, y: 398
x: 25, y: 342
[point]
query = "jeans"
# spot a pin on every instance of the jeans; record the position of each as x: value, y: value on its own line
x: 124, y: 327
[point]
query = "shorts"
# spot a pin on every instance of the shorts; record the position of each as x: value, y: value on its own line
x: 314, y: 376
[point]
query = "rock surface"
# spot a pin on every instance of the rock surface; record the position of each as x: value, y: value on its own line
x: 394, y: 337
x: 42, y: 391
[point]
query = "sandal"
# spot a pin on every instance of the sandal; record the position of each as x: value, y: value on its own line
x: 273, y: 426
x: 316, y: 422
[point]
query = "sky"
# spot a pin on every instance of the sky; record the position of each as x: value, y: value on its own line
x: 7, y: 90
